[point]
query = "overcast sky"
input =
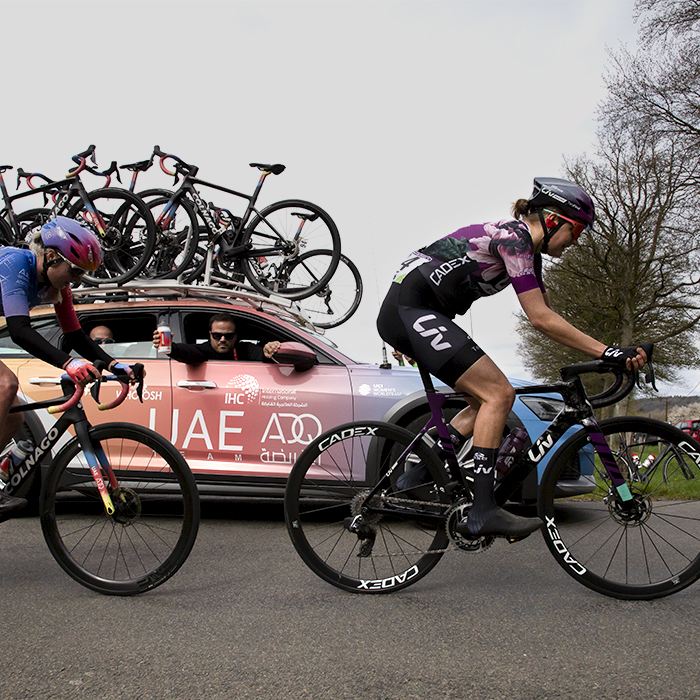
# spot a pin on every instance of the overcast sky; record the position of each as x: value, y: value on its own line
x: 404, y: 120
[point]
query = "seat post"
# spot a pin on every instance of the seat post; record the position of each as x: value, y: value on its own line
x: 427, y: 380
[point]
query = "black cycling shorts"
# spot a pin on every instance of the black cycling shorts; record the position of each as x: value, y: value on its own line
x: 410, y: 321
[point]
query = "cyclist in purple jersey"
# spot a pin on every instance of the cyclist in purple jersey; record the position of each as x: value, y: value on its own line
x: 58, y: 256
x: 443, y: 280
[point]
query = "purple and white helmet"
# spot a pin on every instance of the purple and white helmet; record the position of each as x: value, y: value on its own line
x: 74, y: 242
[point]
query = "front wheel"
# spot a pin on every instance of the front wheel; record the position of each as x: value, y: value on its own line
x: 350, y: 525
x: 276, y: 238
x: 154, y: 525
x: 644, y: 548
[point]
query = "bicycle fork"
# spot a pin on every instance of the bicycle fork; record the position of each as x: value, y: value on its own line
x: 98, y: 463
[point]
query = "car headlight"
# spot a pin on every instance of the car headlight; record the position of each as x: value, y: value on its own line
x: 543, y: 407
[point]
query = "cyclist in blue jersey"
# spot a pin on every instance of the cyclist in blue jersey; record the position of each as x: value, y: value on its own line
x: 58, y: 255
x: 443, y: 280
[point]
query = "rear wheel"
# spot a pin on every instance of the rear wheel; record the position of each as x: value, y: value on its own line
x: 338, y: 300
x: 359, y: 543
x: 277, y: 237
x: 154, y: 526
x: 641, y: 549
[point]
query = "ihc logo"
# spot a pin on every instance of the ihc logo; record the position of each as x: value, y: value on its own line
x: 248, y: 385
x: 435, y: 343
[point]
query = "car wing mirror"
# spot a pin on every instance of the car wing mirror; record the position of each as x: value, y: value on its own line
x: 299, y: 355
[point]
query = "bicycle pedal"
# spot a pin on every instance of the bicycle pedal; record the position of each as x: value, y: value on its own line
x: 513, y: 540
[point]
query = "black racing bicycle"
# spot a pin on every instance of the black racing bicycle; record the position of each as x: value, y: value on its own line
x: 266, y: 247
x: 121, y: 221
x: 619, y: 528
x: 119, y: 506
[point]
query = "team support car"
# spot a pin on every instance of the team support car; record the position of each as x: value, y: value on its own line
x: 240, y: 425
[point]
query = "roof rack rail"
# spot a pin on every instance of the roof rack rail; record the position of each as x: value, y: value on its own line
x: 142, y: 290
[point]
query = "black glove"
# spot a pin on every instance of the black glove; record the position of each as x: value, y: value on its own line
x: 619, y: 356
x: 123, y: 372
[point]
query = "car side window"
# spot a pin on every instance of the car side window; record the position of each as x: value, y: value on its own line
x: 132, y: 334
x: 196, y: 329
x: 46, y: 327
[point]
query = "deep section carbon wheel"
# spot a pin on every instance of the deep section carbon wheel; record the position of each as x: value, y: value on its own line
x: 155, y: 521
x: 643, y: 548
x: 349, y: 522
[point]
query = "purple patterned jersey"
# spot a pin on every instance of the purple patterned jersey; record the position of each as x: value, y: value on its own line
x: 477, y: 261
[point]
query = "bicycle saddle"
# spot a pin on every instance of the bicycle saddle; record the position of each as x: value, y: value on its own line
x: 141, y: 166
x: 276, y: 169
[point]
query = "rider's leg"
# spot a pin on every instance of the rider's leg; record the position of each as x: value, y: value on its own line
x: 489, y: 386
x: 10, y: 425
x: 10, y: 422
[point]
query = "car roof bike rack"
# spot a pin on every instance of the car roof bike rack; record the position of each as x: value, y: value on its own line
x: 146, y: 290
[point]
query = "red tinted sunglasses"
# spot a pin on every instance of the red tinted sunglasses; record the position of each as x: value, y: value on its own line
x: 578, y: 226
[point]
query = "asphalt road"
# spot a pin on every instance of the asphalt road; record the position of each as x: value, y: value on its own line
x: 245, y: 618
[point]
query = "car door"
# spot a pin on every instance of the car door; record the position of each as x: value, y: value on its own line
x: 252, y: 419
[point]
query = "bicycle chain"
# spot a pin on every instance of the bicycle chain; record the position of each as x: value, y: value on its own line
x: 452, y: 545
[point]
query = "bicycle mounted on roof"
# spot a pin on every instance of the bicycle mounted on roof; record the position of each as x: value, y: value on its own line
x: 121, y: 220
x: 265, y: 246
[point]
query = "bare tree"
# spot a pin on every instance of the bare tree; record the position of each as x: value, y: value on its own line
x: 637, y: 278
x: 658, y: 88
x: 664, y: 20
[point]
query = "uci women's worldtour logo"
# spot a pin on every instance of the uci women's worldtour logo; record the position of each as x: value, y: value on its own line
x: 434, y: 333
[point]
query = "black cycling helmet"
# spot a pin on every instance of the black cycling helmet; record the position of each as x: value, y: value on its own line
x: 566, y: 197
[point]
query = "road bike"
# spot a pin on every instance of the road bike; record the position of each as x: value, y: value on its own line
x: 262, y: 245
x: 119, y: 506
x: 122, y: 222
x: 617, y: 534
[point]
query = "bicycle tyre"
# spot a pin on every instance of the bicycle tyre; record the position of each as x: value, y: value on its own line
x: 129, y: 238
x: 29, y: 222
x: 155, y: 523
x: 649, y: 552
x: 6, y: 235
x: 338, y: 300
x: 274, y: 235
x: 325, y: 490
x: 176, y: 245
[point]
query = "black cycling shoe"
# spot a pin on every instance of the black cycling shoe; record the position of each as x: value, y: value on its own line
x: 9, y: 504
x: 501, y: 523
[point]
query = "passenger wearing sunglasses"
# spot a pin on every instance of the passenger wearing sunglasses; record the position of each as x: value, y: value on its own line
x: 102, y: 335
x: 443, y: 280
x: 58, y: 256
x: 222, y: 345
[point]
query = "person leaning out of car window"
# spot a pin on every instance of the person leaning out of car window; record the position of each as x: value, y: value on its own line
x: 223, y: 345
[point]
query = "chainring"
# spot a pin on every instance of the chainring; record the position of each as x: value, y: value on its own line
x: 455, y: 514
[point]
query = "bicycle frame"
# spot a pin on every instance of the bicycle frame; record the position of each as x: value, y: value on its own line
x: 216, y: 231
x: 73, y: 416
x: 577, y: 409
x: 69, y: 188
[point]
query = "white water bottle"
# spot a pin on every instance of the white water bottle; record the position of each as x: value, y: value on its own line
x: 19, y: 452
